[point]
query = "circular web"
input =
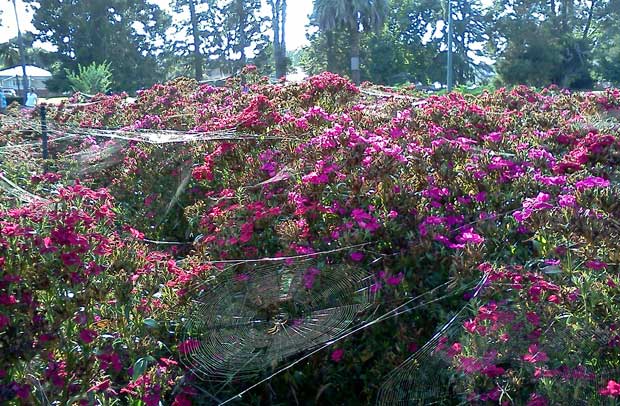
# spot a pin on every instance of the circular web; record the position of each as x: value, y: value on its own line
x: 257, y: 315
x: 432, y: 376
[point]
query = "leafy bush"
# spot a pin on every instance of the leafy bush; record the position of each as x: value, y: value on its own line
x: 515, y: 188
x: 92, y: 79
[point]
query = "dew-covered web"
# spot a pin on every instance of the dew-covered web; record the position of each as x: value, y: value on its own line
x: 423, y: 378
x: 438, y: 374
x: 99, y: 154
x: 279, y: 320
x: 255, y: 315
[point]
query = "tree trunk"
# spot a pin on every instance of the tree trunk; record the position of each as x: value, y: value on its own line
x: 565, y: 14
x: 355, y: 55
x: 281, y: 66
x: 196, y: 35
x: 586, y: 30
x: 331, y: 57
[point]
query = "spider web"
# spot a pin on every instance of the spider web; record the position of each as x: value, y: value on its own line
x: 431, y: 377
x: 256, y: 315
x: 88, y: 152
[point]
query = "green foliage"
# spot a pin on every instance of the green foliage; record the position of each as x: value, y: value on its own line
x: 9, y: 53
x: 91, y: 79
x: 126, y: 33
x: 410, y: 46
x: 538, y: 43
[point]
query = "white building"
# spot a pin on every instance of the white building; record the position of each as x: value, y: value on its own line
x: 11, y: 78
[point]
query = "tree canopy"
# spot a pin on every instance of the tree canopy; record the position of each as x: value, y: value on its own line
x: 570, y: 43
x: 127, y: 33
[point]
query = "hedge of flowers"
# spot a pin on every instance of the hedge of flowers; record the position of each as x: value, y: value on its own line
x: 519, y: 185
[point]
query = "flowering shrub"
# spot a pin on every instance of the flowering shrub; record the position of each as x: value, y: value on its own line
x: 517, y: 185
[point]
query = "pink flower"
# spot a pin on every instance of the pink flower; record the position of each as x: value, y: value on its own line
x: 567, y: 201
x: 136, y: 234
x: 537, y: 400
x: 591, y: 182
x: 189, y: 346
x: 87, y: 335
x: 247, y: 230
x: 357, y: 256
x: 101, y: 386
x: 395, y: 280
x: 596, y: 265
x: 612, y: 389
x: 337, y: 355
x: 469, y: 236
x: 534, y: 355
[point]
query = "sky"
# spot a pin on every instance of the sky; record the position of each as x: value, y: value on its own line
x: 297, y: 19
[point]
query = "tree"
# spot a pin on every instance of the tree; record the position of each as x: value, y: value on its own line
x: 127, y: 33
x: 9, y: 53
x: 278, y: 23
x: 196, y: 36
x: 243, y: 31
x: 327, y: 52
x: 356, y: 16
x: 470, y: 28
x: 543, y: 42
x: 182, y: 57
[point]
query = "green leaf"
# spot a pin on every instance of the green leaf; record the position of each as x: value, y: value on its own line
x: 141, y: 365
x: 151, y: 323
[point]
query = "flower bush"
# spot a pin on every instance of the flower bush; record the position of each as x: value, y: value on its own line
x: 516, y: 185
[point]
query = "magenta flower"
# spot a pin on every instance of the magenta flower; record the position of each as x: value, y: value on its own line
x: 22, y: 391
x: 470, y: 365
x: 357, y: 256
x: 395, y: 280
x: 310, y: 276
x: 70, y: 258
x: 493, y: 371
x: 87, y: 335
x: 189, y: 346
x: 247, y: 230
x: 591, y: 182
x: 468, y: 236
x: 612, y: 389
x: 531, y: 205
x: 567, y: 201
x: 337, y: 355
x: 537, y: 400
x: 596, y: 265
x: 534, y: 355
x: 365, y: 220
x: 533, y: 318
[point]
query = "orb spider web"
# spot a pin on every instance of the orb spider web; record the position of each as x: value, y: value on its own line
x: 255, y: 315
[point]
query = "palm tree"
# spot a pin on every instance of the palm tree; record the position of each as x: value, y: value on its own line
x: 353, y: 15
x: 9, y: 54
